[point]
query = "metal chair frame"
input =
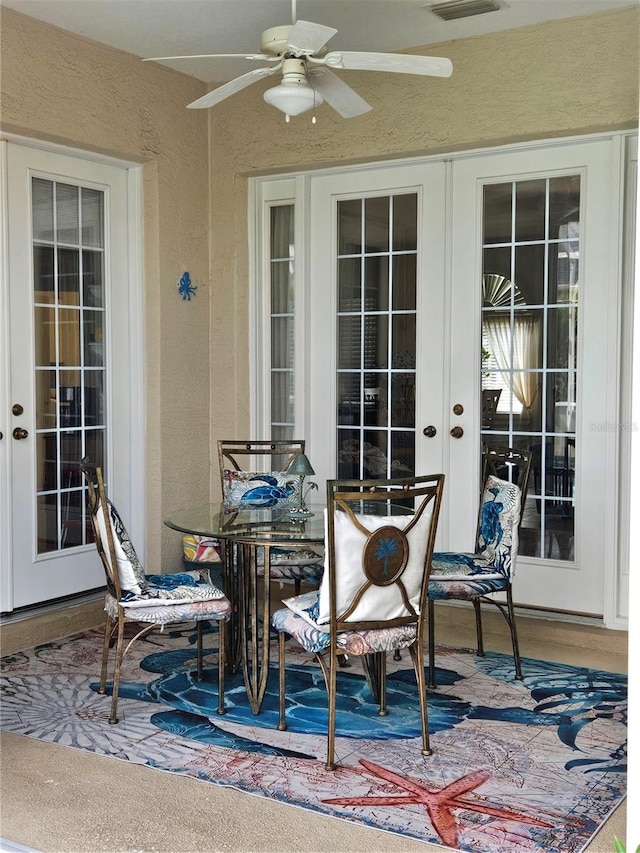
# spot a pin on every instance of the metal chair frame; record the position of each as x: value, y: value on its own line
x: 499, y: 462
x: 231, y: 453
x: 345, y: 496
x: 114, y: 627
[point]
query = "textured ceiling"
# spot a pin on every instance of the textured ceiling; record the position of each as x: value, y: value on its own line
x: 168, y: 27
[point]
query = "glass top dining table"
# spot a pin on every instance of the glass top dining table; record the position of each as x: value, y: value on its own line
x: 247, y: 538
x: 274, y: 525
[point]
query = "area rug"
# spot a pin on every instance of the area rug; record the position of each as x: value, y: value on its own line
x: 535, y: 765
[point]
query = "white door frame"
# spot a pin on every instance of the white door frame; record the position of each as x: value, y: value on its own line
x: 134, y: 496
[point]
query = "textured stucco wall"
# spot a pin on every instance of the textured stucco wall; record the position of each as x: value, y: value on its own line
x: 60, y: 87
x: 558, y: 79
x: 563, y: 78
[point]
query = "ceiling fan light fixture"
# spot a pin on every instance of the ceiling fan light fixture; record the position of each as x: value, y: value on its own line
x: 292, y: 100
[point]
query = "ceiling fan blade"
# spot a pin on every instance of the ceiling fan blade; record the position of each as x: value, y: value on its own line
x: 337, y: 94
x: 260, y: 56
x: 401, y: 63
x: 231, y: 88
x: 308, y: 38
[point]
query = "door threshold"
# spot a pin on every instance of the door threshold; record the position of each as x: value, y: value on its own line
x: 52, y: 606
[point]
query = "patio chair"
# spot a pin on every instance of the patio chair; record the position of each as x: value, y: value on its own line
x: 476, y: 576
x: 372, y: 600
x: 254, y: 474
x: 148, y: 602
x: 490, y: 400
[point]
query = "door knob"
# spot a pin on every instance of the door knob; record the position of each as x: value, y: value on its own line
x: 17, y: 409
x: 20, y: 433
x: 456, y: 432
x: 429, y: 431
x: 458, y: 409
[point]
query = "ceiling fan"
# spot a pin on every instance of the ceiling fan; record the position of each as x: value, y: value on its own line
x: 299, y: 52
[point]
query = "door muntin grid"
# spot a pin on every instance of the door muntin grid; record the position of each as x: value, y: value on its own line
x: 68, y: 241
x: 376, y: 336
x: 529, y: 358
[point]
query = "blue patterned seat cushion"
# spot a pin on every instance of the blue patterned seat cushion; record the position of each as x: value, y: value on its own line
x: 294, y: 564
x: 313, y: 639
x: 180, y: 597
x: 498, y: 530
x: 251, y: 489
x: 490, y: 569
x: 441, y: 589
x: 172, y: 589
x: 311, y: 572
x: 254, y: 489
x: 215, y: 609
x: 497, y: 544
x: 449, y: 566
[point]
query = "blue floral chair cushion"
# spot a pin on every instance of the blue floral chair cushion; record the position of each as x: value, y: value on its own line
x: 251, y: 489
x: 256, y: 489
x: 496, y: 548
x: 295, y: 564
x: 178, y: 588
x: 441, y: 589
x: 298, y: 620
x: 181, y: 610
x: 139, y: 590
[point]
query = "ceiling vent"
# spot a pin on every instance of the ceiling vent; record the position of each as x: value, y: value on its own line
x: 451, y: 10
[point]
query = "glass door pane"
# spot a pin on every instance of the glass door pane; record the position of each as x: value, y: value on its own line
x: 69, y: 322
x: 376, y: 336
x: 281, y: 261
x: 531, y: 251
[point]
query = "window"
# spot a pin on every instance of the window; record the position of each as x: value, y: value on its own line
x: 531, y: 245
x: 69, y: 313
x: 282, y: 316
x: 376, y: 346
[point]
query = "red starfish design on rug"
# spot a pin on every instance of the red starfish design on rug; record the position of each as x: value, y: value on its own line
x: 439, y: 803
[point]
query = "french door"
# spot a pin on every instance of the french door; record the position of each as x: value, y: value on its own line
x: 66, y: 284
x: 476, y: 301
x: 538, y: 234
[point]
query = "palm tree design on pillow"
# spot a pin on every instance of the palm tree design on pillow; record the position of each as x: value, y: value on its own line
x: 386, y: 550
x: 385, y: 555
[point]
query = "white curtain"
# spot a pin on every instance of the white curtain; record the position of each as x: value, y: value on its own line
x: 516, y: 348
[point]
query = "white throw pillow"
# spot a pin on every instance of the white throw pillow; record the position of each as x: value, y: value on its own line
x: 378, y: 602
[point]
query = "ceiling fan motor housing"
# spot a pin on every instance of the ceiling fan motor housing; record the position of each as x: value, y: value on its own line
x: 294, y: 72
x: 275, y: 40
